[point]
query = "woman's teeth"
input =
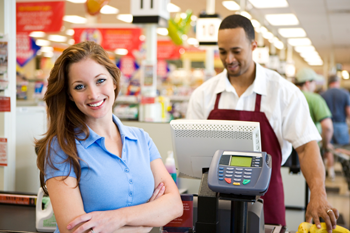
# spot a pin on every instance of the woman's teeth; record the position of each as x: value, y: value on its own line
x: 97, y: 104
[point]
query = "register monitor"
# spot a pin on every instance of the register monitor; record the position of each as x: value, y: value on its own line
x: 196, y: 141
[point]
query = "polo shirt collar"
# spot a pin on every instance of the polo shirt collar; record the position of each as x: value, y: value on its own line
x: 93, y: 137
x: 258, y: 86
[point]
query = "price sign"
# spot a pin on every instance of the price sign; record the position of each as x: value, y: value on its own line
x: 207, y: 30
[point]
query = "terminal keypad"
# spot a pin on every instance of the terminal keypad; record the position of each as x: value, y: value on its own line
x: 235, y: 176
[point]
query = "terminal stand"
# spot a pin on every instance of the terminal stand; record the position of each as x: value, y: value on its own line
x: 207, y: 211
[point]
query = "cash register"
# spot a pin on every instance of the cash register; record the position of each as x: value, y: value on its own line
x: 234, y: 172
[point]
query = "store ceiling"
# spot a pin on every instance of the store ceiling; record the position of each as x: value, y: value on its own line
x: 326, y: 22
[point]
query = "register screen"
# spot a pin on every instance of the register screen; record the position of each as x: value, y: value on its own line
x: 241, y: 161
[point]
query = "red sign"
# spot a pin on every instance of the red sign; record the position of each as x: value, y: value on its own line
x: 3, y: 151
x: 166, y: 49
x: 111, y: 38
x: 39, y: 16
x: 26, y: 48
x: 5, y: 104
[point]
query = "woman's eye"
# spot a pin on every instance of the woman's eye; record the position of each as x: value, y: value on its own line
x: 79, y: 87
x: 101, y: 80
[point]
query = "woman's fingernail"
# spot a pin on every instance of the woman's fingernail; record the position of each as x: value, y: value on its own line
x: 318, y: 226
x: 68, y: 227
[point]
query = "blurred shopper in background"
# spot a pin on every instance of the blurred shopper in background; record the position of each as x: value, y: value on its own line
x: 338, y: 101
x: 246, y: 91
x: 306, y: 81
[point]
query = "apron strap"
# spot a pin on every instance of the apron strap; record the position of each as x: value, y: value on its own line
x: 218, y: 95
x: 257, y: 103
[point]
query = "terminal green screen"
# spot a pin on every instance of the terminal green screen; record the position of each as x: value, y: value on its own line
x: 241, y: 161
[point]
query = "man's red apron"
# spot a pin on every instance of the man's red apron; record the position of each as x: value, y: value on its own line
x: 274, y: 210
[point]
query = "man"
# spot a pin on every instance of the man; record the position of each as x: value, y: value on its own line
x: 320, y: 114
x: 338, y: 101
x: 250, y: 92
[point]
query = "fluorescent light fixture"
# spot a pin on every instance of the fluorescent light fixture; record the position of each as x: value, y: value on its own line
x: 40, y: 42
x: 70, y: 32
x: 77, y: 1
x: 48, y: 54
x: 46, y: 49
x: 125, y: 17
x: 71, y: 41
x: 194, y: 18
x: 231, y: 5
x: 345, y: 74
x: 282, y: 19
x: 268, y: 35
x: 292, y: 32
x: 301, y: 49
x: 312, y: 58
x: 192, y: 41
x: 37, y: 34
x: 106, y: 9
x: 309, y: 54
x: 263, y: 30
x: 74, y: 19
x: 299, y: 41
x: 246, y: 14
x: 173, y: 8
x: 318, y: 63
x: 269, y: 3
x: 57, y: 38
x: 255, y: 23
x: 162, y: 31
x: 279, y: 44
x: 121, y: 51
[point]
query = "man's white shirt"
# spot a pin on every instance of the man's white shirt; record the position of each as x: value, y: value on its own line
x: 282, y: 102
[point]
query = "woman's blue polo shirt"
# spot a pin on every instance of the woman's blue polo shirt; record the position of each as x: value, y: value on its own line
x: 107, y: 181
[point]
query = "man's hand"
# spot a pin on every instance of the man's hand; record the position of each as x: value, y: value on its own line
x: 319, y: 207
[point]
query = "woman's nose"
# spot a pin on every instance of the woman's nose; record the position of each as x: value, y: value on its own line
x: 93, y: 93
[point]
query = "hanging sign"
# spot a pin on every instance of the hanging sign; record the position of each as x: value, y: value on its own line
x: 39, y: 16
x: 166, y: 49
x: 3, y: 151
x: 110, y: 38
x: 5, y: 104
x: 207, y: 29
x: 26, y: 48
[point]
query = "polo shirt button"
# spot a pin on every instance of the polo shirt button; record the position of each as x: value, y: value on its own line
x: 124, y: 161
x: 126, y: 170
x: 130, y: 194
x: 130, y: 181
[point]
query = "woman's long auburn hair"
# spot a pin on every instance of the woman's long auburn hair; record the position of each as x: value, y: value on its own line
x: 65, y: 120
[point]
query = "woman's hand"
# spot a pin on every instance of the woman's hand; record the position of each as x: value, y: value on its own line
x: 98, y: 221
x: 158, y: 192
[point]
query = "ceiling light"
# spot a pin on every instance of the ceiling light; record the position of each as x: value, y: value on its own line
x: 74, y: 19
x: 162, y: 31
x: 70, y: 32
x: 37, y: 34
x: 245, y: 14
x: 46, y: 49
x: 279, y: 45
x: 121, y: 51
x: 77, y: 1
x: 173, y: 8
x: 40, y: 42
x: 125, y: 17
x: 317, y: 63
x: 255, y: 23
x: 71, y: 41
x: 299, y: 41
x: 183, y: 15
x: 142, y: 37
x: 301, y: 49
x: 268, y: 35
x: 292, y: 32
x: 263, y: 30
x: 184, y: 37
x: 282, y: 19
x: 269, y: 3
x: 309, y: 54
x: 194, y: 18
x: 57, y: 38
x: 192, y: 41
x: 48, y: 54
x: 109, y: 10
x: 345, y: 74
x: 231, y: 5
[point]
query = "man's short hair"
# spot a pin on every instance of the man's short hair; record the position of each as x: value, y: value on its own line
x: 239, y: 21
x: 333, y: 78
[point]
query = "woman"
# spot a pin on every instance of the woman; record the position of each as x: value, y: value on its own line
x: 100, y: 174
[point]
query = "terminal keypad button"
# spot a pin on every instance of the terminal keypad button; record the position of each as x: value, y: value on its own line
x: 228, y: 180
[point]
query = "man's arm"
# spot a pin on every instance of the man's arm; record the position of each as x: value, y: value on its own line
x: 327, y: 132
x: 347, y: 110
x: 313, y: 170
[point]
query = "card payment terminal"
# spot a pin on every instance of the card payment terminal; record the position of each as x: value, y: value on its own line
x: 240, y: 172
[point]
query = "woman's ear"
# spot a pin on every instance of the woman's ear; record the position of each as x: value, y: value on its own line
x: 70, y: 96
